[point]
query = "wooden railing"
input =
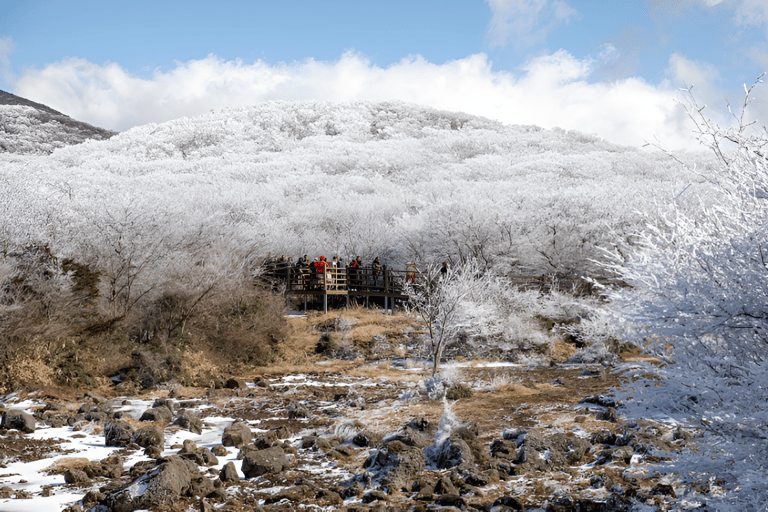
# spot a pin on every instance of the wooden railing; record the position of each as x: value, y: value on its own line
x: 343, y: 280
x: 390, y: 284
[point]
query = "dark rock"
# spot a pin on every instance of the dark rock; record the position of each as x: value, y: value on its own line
x: 396, y: 465
x: 161, y: 415
x: 190, y: 421
x: 200, y: 486
x: 532, y: 451
x: 18, y: 420
x: 282, y: 432
x: 238, y: 434
x: 374, y: 495
x: 451, y: 500
x: 149, y: 436
x: 605, y: 437
x: 76, y: 476
x: 262, y: 440
x: 261, y: 462
x: 504, y: 449
x: 235, y: 383
x: 353, y: 491
x: 229, y: 474
x: 508, y: 501
x: 601, y: 400
x: 445, y: 486
x: 449, y: 453
x: 329, y: 497
x: 609, y: 414
x: 297, y: 410
x: 664, y: 489
x: 219, y: 451
x: 162, y: 486
x: 118, y: 433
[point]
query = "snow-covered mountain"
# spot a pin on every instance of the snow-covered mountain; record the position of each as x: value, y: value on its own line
x: 32, y: 128
x: 391, y: 179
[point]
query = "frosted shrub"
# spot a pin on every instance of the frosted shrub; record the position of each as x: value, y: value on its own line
x: 699, y: 302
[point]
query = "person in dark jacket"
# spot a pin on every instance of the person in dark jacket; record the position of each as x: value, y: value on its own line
x: 376, y: 270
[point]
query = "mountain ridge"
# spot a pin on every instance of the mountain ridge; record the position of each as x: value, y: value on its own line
x: 28, y: 127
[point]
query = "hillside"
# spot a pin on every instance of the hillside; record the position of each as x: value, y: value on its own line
x: 32, y: 128
x: 389, y: 179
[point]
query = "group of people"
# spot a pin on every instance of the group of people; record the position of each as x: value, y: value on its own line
x: 334, y: 274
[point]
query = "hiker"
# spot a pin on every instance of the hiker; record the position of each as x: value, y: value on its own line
x: 320, y: 266
x: 354, y: 272
x: 410, y: 272
x: 303, y: 271
x: 376, y: 269
x: 333, y: 273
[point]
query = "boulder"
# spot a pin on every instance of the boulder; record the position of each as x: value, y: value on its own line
x: 18, y: 420
x: 238, y: 434
x: 396, y: 465
x: 156, y: 489
x: 200, y: 486
x: 161, y: 415
x: 419, y: 432
x: 76, y: 476
x: 297, y: 410
x: 200, y: 456
x: 449, y: 453
x: 170, y: 480
x: 574, y: 448
x: 444, y: 486
x: 261, y: 462
x: 188, y: 420
x: 228, y: 473
x: 117, y: 433
x: 264, y: 440
x: 149, y: 436
x: 504, y: 449
x: 235, y: 383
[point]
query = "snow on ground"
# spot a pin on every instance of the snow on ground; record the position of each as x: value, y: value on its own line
x: 88, y: 443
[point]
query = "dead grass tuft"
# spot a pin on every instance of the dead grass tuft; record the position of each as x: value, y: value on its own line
x: 62, y: 465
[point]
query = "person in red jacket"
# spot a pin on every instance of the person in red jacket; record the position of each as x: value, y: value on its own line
x: 320, y: 266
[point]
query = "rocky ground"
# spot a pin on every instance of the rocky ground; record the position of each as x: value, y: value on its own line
x: 341, y: 435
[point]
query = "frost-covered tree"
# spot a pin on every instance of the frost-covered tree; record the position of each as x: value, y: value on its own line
x: 437, y: 296
x: 699, y: 300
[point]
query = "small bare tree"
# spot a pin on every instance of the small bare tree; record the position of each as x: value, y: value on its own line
x: 436, y: 297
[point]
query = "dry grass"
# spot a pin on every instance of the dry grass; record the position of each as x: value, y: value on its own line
x: 62, y: 465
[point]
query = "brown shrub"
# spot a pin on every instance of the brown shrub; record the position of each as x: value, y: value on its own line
x: 249, y: 331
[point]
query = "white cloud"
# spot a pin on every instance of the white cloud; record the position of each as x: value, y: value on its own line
x: 525, y: 22
x: 550, y: 91
x: 752, y: 12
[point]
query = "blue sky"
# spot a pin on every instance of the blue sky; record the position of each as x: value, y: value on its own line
x: 605, y: 67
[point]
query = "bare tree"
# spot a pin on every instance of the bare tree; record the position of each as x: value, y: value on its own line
x: 437, y: 297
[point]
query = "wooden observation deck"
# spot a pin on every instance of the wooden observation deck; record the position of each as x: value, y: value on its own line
x: 345, y: 282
